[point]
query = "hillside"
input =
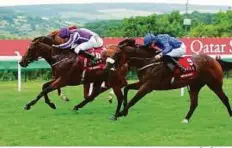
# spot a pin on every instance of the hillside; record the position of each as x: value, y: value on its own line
x: 34, y: 20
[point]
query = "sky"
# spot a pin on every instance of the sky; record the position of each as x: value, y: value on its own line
x: 34, y: 2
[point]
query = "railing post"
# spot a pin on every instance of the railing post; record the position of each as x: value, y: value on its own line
x: 19, y: 72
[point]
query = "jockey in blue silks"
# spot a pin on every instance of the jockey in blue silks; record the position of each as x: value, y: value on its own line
x: 80, y: 40
x: 168, y: 46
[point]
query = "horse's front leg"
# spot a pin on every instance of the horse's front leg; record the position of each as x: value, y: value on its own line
x: 88, y: 98
x: 143, y: 90
x: 119, y: 95
x: 49, y: 88
x: 133, y: 86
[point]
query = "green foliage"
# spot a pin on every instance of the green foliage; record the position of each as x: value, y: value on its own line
x: 8, y: 75
x: 41, y: 74
x: 203, y: 25
x: 221, y: 26
x: 35, y: 74
x: 104, y: 28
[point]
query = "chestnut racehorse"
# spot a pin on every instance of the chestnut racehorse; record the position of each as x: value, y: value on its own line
x: 155, y: 75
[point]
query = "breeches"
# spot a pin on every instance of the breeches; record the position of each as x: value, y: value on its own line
x: 94, y: 42
x: 178, y: 52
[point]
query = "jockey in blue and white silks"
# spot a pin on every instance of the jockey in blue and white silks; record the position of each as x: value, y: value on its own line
x: 169, y: 47
x: 80, y: 40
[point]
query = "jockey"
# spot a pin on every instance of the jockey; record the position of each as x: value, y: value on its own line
x: 80, y: 40
x: 168, y: 46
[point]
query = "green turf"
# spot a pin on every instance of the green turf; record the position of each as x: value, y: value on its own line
x: 155, y: 120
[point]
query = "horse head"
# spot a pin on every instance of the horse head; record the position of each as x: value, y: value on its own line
x: 117, y: 54
x: 36, y: 49
x: 129, y: 50
x: 55, y: 37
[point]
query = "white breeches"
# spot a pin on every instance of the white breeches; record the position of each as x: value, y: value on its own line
x: 178, y: 52
x: 94, y: 42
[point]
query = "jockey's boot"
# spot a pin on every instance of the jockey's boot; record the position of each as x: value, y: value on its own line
x: 181, y: 68
x: 171, y: 63
x: 93, y: 59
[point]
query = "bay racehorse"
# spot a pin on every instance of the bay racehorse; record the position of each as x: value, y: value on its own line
x: 155, y: 75
x: 57, y: 40
x: 50, y: 40
x: 70, y: 70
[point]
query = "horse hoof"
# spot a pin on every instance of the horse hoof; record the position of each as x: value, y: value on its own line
x: 66, y: 99
x: 113, y: 118
x: 125, y: 113
x: 120, y: 114
x: 185, y: 121
x: 75, y: 108
x: 52, y: 105
x: 27, y: 107
x: 110, y: 101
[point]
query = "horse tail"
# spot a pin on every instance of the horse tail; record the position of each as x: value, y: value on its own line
x: 225, y: 65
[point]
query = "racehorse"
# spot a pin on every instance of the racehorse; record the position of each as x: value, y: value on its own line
x: 155, y: 75
x: 57, y: 40
x: 67, y: 71
x: 53, y: 38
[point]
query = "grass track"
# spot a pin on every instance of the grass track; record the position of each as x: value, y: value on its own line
x: 155, y: 120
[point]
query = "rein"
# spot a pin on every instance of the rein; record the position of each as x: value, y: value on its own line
x: 149, y: 65
x: 56, y: 51
x: 59, y: 61
x: 146, y: 66
x: 137, y: 58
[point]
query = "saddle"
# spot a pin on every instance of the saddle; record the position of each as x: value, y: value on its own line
x: 186, y: 63
x: 86, y: 62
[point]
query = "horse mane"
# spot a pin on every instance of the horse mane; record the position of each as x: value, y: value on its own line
x: 54, y: 33
x: 57, y: 50
x: 131, y: 42
x: 37, y: 38
x: 62, y: 53
x: 44, y: 39
x: 127, y: 42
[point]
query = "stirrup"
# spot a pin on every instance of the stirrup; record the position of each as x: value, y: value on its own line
x: 182, y: 69
x: 95, y: 60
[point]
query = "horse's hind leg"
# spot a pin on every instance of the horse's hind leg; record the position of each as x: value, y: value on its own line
x: 193, y: 93
x: 134, y: 86
x: 62, y: 96
x: 118, y: 93
x: 90, y: 98
x: 217, y: 88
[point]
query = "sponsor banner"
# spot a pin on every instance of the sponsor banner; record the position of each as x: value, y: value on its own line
x: 209, y: 46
